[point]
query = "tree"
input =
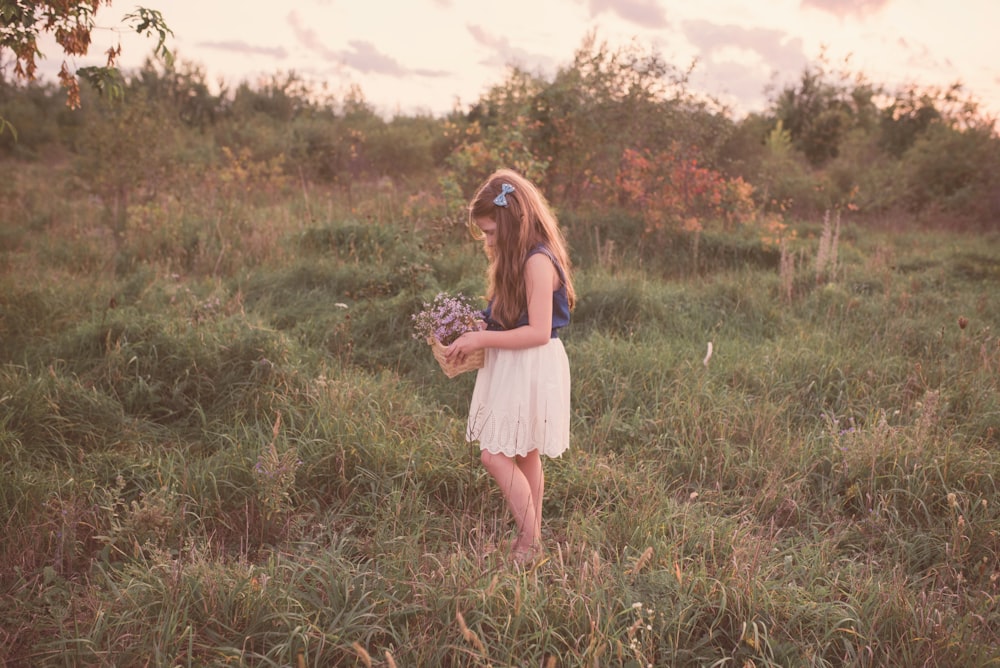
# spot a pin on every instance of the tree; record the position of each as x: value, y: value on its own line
x: 784, y: 178
x: 71, y: 22
x: 953, y: 171
x: 904, y: 121
x: 129, y: 146
x: 823, y: 108
x: 500, y: 130
x: 605, y: 101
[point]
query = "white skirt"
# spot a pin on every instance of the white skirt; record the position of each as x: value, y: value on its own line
x: 521, y: 401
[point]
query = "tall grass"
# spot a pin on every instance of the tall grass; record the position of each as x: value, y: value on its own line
x: 226, y: 448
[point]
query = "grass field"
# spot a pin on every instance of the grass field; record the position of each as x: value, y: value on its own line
x: 219, y: 445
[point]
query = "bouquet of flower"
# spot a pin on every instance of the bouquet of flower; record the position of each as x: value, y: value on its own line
x: 442, y: 321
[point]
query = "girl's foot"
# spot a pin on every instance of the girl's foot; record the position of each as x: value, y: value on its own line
x: 525, y: 555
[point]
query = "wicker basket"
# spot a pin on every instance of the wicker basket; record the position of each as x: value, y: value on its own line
x: 471, y: 363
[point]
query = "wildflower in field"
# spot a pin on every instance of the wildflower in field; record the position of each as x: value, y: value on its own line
x: 274, y: 474
x: 446, y: 318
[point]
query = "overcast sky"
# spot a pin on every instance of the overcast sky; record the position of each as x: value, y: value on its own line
x: 411, y: 56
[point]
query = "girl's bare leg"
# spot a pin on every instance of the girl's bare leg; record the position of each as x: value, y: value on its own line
x: 517, y: 491
x: 531, y: 467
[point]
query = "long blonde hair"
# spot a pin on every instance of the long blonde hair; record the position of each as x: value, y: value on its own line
x: 524, y: 223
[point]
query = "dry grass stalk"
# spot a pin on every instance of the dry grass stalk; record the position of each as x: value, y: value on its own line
x: 362, y: 654
x: 826, y: 255
x: 467, y: 633
x: 786, y: 272
x: 493, y: 585
x: 642, y: 560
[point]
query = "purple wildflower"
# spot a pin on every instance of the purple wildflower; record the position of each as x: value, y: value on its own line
x: 446, y: 318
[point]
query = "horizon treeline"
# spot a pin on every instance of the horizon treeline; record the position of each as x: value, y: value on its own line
x: 616, y: 130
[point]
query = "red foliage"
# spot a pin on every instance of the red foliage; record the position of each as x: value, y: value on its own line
x: 672, y: 189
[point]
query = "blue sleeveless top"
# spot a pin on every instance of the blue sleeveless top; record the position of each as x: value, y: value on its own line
x: 560, y: 301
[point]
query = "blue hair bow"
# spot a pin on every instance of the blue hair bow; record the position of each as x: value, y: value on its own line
x: 501, y: 199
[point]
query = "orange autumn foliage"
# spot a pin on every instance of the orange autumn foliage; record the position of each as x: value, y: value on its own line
x: 674, y: 191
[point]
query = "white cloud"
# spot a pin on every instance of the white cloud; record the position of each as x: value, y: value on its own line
x: 644, y: 13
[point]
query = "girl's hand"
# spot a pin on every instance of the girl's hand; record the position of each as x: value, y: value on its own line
x: 462, y: 347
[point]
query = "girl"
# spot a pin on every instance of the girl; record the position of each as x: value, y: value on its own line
x: 520, y: 404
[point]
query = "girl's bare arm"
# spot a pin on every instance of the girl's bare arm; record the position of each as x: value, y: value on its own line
x: 540, y: 280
